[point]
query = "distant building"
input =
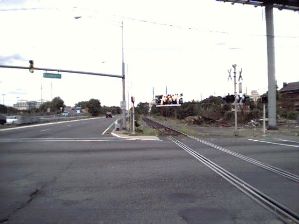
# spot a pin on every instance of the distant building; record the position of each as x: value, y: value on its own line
x: 27, y: 105
x: 289, y: 96
x: 255, y: 95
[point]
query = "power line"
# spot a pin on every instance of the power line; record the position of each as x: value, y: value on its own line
x: 193, y: 28
x: 156, y: 23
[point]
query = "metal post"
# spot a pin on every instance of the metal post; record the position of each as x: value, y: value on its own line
x: 264, y: 118
x: 271, y: 67
x: 235, y: 103
x: 3, y: 98
x: 51, y: 90
x: 123, y: 78
x: 133, y: 119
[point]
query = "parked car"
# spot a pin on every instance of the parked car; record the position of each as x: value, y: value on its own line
x: 12, y: 119
x: 65, y: 114
x: 2, y: 119
x: 108, y: 114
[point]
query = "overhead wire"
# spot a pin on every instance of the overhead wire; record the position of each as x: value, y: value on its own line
x: 157, y: 23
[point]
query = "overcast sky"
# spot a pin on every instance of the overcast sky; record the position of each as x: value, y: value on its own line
x: 183, y: 45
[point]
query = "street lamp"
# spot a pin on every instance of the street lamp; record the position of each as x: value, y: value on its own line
x: 3, y: 99
x: 235, y: 92
x: 123, y: 76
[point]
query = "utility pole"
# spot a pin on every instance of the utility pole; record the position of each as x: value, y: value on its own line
x: 235, y: 93
x: 271, y: 67
x: 123, y: 78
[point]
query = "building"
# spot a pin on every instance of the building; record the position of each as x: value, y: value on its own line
x: 255, y: 95
x: 27, y: 105
x: 289, y: 96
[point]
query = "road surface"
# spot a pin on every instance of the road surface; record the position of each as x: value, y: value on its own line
x: 77, y: 172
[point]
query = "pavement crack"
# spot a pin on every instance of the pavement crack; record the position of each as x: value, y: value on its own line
x: 4, y: 220
x: 35, y: 193
x: 32, y: 195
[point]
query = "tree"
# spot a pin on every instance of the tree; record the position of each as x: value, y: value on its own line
x: 44, y: 107
x: 142, y: 108
x: 188, y: 109
x: 94, y: 107
x: 112, y: 109
x: 57, y: 104
x: 82, y: 104
x: 3, y: 109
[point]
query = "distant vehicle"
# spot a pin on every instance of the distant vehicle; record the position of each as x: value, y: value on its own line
x: 12, y: 119
x: 65, y: 114
x: 2, y: 119
x: 108, y: 114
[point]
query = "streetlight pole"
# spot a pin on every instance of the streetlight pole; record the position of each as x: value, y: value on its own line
x: 123, y: 79
x: 3, y: 99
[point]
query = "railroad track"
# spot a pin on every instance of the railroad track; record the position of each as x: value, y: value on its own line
x: 282, y: 211
x: 163, y: 129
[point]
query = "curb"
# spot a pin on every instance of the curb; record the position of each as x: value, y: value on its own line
x: 142, y: 138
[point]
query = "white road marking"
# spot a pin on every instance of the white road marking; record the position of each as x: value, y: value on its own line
x: 285, y: 140
x: 273, y: 143
x: 104, y: 132
x: 136, y: 138
x: 45, y: 130
x: 54, y: 140
x: 45, y: 124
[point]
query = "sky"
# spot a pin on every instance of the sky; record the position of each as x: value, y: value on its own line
x: 184, y: 46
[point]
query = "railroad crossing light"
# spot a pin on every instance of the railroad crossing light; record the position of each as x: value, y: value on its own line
x: 133, y: 99
x: 31, y: 66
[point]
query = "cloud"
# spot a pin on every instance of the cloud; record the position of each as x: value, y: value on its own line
x: 10, y: 58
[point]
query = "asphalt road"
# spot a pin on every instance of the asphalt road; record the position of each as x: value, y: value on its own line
x: 76, y: 172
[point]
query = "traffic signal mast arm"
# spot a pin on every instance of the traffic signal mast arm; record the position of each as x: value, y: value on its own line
x: 31, y: 69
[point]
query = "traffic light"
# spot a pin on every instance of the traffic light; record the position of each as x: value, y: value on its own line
x: 31, y: 66
x: 264, y: 99
x: 133, y: 99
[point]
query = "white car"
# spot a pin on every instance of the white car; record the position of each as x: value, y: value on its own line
x: 11, y: 119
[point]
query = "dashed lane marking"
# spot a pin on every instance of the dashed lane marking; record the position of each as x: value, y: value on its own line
x: 273, y: 143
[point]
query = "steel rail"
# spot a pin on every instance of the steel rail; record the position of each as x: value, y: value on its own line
x: 284, y: 213
x: 268, y: 167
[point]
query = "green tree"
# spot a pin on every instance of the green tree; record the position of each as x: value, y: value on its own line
x: 82, y: 104
x: 142, y: 108
x: 3, y: 109
x: 57, y: 104
x: 44, y: 107
x: 188, y: 109
x: 94, y: 107
x: 112, y: 109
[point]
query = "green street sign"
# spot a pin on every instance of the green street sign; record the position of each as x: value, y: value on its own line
x: 52, y: 75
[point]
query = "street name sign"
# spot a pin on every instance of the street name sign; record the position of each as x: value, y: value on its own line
x: 52, y: 75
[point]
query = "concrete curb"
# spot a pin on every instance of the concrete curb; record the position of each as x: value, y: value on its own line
x: 129, y: 137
